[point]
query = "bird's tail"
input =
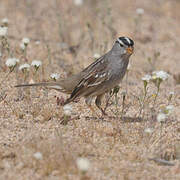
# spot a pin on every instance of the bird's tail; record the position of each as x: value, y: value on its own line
x: 51, y: 85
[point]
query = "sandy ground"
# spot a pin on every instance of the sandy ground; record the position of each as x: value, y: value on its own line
x: 38, y: 141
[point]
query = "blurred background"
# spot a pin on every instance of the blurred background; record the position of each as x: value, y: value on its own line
x: 38, y: 140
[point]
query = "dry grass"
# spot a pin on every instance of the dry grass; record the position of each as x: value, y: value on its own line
x: 119, y: 146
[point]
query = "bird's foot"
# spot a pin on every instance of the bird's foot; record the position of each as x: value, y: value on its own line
x: 103, y: 111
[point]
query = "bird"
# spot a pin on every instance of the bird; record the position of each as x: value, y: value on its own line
x: 96, y: 79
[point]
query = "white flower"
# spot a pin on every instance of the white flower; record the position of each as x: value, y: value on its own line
x: 22, y: 46
x: 38, y: 155
x: 171, y: 93
x: 55, y: 76
x: 5, y: 21
x: 96, y: 55
x: 3, y: 31
x: 36, y: 63
x: 148, y: 130
x: 160, y: 74
x: 24, y: 66
x: 37, y: 42
x: 11, y: 62
x: 140, y: 11
x: 83, y: 164
x: 25, y: 41
x: 146, y: 78
x: 78, y: 2
x: 67, y: 110
x: 169, y: 109
x: 161, y: 117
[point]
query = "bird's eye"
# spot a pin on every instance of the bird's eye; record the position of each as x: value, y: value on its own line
x: 121, y: 45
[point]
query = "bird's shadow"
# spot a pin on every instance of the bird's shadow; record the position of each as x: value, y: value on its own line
x: 128, y: 119
x: 125, y: 119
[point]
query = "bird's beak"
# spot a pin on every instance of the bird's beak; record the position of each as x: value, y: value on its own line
x: 130, y: 50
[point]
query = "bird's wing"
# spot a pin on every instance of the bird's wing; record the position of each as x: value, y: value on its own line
x: 97, y: 74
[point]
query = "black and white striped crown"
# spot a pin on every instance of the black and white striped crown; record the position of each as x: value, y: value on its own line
x: 125, y: 41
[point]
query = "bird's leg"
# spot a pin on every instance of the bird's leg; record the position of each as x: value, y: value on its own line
x: 88, y: 102
x: 98, y: 104
x: 107, y: 102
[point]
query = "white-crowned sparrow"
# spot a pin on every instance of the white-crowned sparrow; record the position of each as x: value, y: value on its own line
x: 98, y: 78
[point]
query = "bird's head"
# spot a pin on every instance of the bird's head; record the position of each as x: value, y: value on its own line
x: 123, y: 46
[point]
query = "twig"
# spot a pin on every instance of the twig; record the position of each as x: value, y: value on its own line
x: 2, y: 98
x: 162, y: 161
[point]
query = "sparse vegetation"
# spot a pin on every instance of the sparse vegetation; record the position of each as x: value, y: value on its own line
x: 48, y: 40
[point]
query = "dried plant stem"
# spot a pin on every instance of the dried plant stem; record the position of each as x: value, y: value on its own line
x: 144, y: 98
x: 156, y: 95
x: 116, y: 103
